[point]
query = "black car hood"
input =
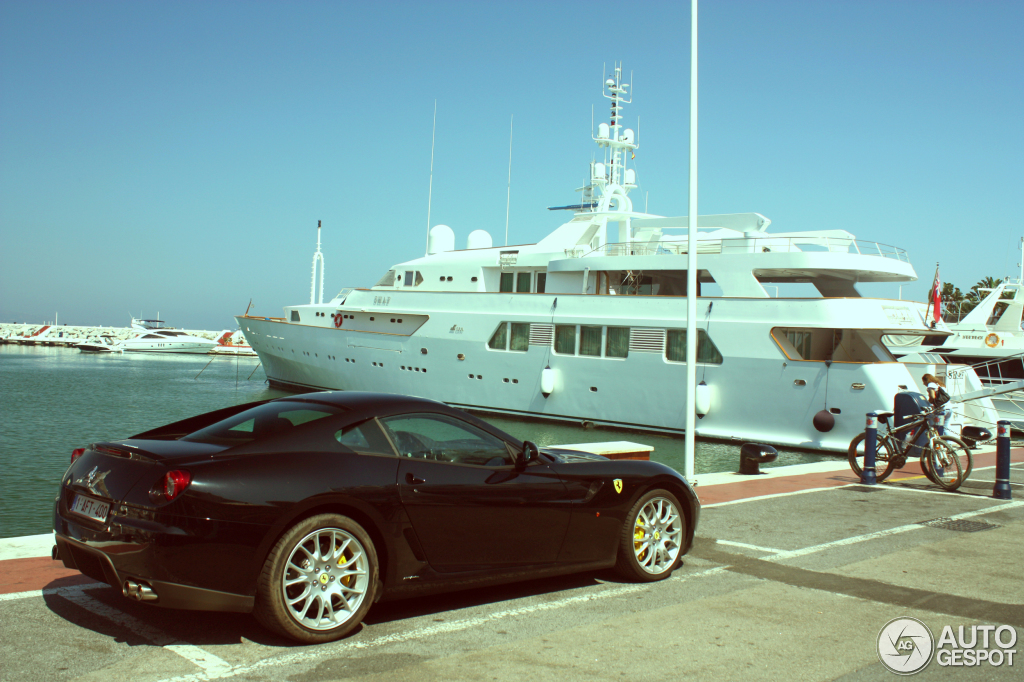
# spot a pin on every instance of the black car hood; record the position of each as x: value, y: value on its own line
x: 572, y: 456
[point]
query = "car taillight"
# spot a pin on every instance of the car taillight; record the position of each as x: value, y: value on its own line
x: 76, y: 453
x: 175, y: 482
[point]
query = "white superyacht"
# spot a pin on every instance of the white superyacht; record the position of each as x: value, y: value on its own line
x: 589, y: 323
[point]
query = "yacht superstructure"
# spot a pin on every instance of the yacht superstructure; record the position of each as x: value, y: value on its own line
x: 588, y: 324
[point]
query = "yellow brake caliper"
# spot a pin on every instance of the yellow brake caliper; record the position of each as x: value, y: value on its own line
x: 347, y: 580
x: 638, y: 536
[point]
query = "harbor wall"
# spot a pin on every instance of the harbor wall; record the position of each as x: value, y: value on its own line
x: 69, y: 335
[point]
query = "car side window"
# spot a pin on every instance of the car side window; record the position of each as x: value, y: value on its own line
x: 445, y: 439
x: 364, y: 438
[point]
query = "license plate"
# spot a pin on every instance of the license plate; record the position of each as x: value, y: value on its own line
x: 86, y: 506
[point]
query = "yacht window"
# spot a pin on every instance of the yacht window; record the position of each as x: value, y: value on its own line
x: 419, y: 279
x: 617, y: 342
x: 295, y: 317
x: 388, y: 280
x: 523, y: 283
x: 542, y: 278
x: 707, y: 352
x: 801, y: 342
x: 836, y: 345
x: 506, y: 282
x: 565, y: 339
x: 590, y: 341
x: 499, y: 340
x: 408, y: 278
x: 520, y: 338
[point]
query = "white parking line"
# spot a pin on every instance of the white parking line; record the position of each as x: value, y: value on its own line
x: 336, y: 648
x: 889, y: 531
x: 770, y: 550
x: 773, y: 495
x: 200, y: 657
x: 50, y: 590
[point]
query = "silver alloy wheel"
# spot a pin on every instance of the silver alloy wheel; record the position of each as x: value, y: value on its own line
x: 325, y: 579
x: 657, y: 535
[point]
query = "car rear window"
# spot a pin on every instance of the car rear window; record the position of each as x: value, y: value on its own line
x: 265, y: 421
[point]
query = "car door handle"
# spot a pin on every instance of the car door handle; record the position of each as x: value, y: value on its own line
x: 413, y: 480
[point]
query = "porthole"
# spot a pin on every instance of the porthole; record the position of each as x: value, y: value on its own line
x: 449, y: 279
x: 423, y: 351
x: 593, y: 389
x: 442, y: 278
x: 461, y: 356
x: 473, y: 279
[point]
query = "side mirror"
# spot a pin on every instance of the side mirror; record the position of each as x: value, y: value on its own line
x: 529, y: 453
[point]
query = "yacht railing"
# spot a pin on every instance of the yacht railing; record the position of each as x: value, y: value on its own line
x: 765, y: 244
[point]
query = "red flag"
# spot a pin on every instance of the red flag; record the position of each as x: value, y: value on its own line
x: 936, y: 295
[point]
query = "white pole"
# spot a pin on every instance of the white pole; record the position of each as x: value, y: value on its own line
x: 430, y: 191
x: 508, y: 198
x: 691, y: 265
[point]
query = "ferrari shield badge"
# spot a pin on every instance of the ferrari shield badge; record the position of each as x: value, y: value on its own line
x: 618, y: 485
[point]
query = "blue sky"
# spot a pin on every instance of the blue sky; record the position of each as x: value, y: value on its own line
x: 176, y: 156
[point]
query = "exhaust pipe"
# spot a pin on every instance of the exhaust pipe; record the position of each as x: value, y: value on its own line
x: 138, y: 591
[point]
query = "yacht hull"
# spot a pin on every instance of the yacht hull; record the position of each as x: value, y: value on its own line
x: 758, y: 393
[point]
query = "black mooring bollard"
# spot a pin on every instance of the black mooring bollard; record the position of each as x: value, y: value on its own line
x: 867, y: 472
x: 752, y: 455
x: 1001, y: 490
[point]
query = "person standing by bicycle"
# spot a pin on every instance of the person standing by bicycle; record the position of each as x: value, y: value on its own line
x: 938, y: 397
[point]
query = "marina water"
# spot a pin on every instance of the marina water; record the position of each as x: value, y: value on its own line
x: 53, y: 400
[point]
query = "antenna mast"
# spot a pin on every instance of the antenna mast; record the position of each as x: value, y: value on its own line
x: 316, y: 257
x: 430, y: 191
x: 508, y: 198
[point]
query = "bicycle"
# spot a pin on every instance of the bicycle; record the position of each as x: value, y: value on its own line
x: 940, y: 459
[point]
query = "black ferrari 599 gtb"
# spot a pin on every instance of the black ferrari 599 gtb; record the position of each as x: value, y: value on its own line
x: 306, y: 510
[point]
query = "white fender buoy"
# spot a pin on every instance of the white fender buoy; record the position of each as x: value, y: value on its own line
x: 547, y: 381
x: 703, y: 400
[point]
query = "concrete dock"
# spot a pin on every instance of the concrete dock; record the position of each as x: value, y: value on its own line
x: 793, y: 574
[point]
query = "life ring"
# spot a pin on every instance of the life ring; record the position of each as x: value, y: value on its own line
x: 992, y: 340
x: 337, y: 319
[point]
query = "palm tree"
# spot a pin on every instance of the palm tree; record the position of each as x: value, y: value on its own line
x: 985, y: 283
x: 951, y: 300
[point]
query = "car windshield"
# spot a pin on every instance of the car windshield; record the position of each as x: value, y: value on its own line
x: 267, y: 420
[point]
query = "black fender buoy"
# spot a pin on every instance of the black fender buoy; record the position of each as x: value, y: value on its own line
x: 824, y: 421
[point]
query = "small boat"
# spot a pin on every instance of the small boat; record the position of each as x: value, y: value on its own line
x: 232, y: 343
x: 105, y: 344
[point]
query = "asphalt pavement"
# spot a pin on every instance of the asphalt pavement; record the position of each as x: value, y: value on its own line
x: 793, y: 575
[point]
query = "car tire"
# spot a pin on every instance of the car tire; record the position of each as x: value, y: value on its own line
x: 651, y: 543
x: 318, y: 581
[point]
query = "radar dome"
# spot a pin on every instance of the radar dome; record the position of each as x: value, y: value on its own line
x: 441, y: 239
x: 479, y: 239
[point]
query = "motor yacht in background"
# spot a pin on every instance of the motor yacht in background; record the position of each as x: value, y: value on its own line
x: 167, y: 341
x: 589, y: 323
